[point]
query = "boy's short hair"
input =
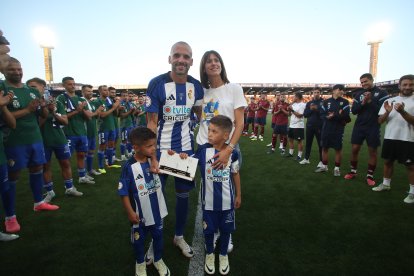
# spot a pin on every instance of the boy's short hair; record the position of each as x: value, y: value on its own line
x: 140, y: 135
x: 222, y: 122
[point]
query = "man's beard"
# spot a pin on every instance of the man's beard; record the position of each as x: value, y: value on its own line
x: 14, y: 79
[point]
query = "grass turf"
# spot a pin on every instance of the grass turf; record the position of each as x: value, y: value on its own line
x: 292, y: 222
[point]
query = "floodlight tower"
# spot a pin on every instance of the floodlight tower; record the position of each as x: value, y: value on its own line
x: 46, y: 40
x: 373, y: 58
x: 47, y: 55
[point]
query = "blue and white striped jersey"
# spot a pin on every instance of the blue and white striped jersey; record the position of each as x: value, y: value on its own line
x: 173, y: 103
x: 217, y: 191
x: 144, y: 191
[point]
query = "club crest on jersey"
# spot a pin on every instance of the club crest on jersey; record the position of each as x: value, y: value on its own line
x: 136, y: 236
x: 11, y: 162
x: 341, y: 103
x: 32, y: 95
x: 190, y: 94
x: 204, y: 225
x: 119, y: 186
x: 376, y: 94
x: 147, y: 101
x: 16, y: 104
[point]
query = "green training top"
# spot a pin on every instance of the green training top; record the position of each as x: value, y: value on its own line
x: 27, y: 129
x: 127, y: 121
x: 52, y: 131
x: 76, y: 126
x: 91, y: 124
x: 107, y: 123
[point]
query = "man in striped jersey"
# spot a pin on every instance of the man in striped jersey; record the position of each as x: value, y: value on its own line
x: 170, y: 98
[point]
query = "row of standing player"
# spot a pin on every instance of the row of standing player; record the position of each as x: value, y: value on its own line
x: 326, y: 120
x: 60, y: 126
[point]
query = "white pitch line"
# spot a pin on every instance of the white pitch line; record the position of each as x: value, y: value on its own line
x: 196, y: 266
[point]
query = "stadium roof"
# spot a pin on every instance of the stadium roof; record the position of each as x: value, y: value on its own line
x: 264, y: 88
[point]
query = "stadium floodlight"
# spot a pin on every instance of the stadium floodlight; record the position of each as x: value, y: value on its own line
x: 376, y: 34
x: 46, y: 39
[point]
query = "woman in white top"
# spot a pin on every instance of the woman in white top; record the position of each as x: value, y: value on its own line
x: 220, y: 97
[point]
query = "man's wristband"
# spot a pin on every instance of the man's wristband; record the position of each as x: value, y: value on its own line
x: 231, y: 146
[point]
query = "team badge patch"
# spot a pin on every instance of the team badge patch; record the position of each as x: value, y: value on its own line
x: 204, y: 225
x: 16, y: 104
x: 190, y: 94
x: 136, y: 236
x: 32, y: 95
x: 11, y: 162
x: 147, y: 101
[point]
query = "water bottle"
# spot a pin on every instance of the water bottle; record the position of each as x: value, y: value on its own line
x: 46, y: 95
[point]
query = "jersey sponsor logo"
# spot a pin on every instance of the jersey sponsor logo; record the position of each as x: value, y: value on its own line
x: 176, y: 113
x: 148, y: 188
x: 218, y: 175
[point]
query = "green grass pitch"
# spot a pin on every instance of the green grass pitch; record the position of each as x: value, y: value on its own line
x: 292, y: 222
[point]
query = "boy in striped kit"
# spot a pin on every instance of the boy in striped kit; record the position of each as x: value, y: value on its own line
x: 143, y: 200
x: 220, y: 192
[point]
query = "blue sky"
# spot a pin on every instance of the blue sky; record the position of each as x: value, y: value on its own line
x: 128, y: 41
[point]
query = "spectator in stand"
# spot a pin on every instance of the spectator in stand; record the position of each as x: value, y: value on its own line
x: 313, y: 125
x: 260, y: 119
x: 251, y: 110
x: 366, y: 105
x: 398, y: 144
x: 335, y: 115
x: 281, y: 115
x: 297, y: 125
